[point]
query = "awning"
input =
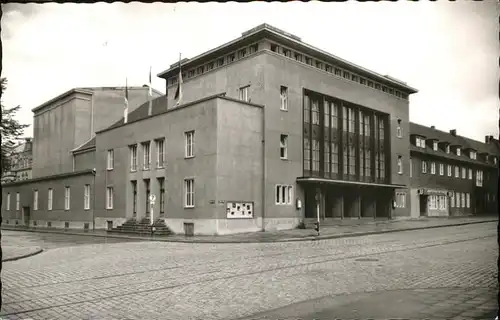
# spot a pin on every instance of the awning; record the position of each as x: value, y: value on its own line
x: 349, y: 183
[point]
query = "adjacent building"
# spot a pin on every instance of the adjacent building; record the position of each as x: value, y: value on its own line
x: 270, y: 132
x: 21, y: 160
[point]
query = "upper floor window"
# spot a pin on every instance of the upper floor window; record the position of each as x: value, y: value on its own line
x: 146, y: 150
x: 160, y: 153
x: 298, y: 57
x: 399, y: 131
x: 411, y: 167
x: 110, y: 159
x: 328, y: 68
x: 479, y: 178
x: 458, y: 151
x: 274, y: 48
x: 284, y: 146
x: 220, y: 62
x: 433, y: 168
x: 133, y: 158
x: 470, y: 174
x: 231, y: 57
x: 495, y: 160
x: 189, y: 144
x: 284, y: 98
x: 464, y: 173
x: 35, y: 200
x: 109, y: 197
x: 242, y: 53
x: 244, y: 93
x: 8, y: 201
x: 448, y: 167
x: 254, y: 48
x: 400, y: 164
x: 441, y: 169
x: 457, y: 172
x: 424, y: 166
x: 370, y: 83
x: 420, y: 142
x: 347, y: 75
x: 473, y: 155
x: 338, y: 72
x: 18, y: 201
x: 435, y: 145
x: 447, y: 148
x: 67, y: 194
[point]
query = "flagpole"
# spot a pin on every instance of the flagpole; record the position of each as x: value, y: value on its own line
x: 150, y: 94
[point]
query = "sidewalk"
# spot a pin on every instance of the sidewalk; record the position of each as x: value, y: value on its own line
x: 13, y: 252
x: 354, y: 229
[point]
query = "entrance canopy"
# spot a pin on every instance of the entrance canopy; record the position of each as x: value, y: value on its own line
x: 349, y: 183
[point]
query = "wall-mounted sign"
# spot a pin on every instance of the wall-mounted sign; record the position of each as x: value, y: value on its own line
x: 239, y: 210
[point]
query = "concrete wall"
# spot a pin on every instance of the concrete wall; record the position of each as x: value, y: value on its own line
x: 84, y: 160
x: 76, y: 216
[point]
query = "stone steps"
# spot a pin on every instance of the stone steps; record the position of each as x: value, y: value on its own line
x: 142, y: 227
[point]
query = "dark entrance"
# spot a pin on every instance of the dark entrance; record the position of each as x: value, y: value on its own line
x: 26, y: 215
x: 423, y: 205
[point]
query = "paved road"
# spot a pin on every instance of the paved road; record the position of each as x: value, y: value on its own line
x: 429, y: 272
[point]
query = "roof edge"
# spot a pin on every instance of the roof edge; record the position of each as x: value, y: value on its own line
x: 52, y: 177
x: 62, y: 95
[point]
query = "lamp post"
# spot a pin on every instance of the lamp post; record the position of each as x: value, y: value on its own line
x: 152, y: 199
x: 93, y: 199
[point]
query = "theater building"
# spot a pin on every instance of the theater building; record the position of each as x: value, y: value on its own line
x: 451, y: 175
x: 270, y: 132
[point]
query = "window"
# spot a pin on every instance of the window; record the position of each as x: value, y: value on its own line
x: 18, y: 201
x: 354, y: 77
x: 411, y: 167
x: 50, y: 197
x: 86, y: 197
x: 274, y: 48
x: 447, y: 148
x: 370, y: 83
x: 109, y: 197
x: 189, y: 193
x: 328, y: 68
x: 399, y: 131
x: 231, y: 57
x: 452, y: 199
x: 470, y: 174
x: 284, y: 194
x: 479, y: 178
x: 319, y: 65
x: 146, y: 151
x: 400, y: 165
x: 467, y: 200
x: 133, y: 158
x: 435, y: 145
x: 448, y: 167
x: 473, y: 155
x: 35, y: 200
x: 457, y: 172
x: 338, y: 72
x: 284, y: 98
x: 220, y: 62
x: 148, y: 194
x: 254, y: 48
x: 464, y: 173
x: 457, y: 199
x: 384, y: 89
x: 463, y: 200
x: 362, y: 81
x: 378, y: 86
x: 420, y: 142
x: 432, y: 202
x: 189, y: 144
x: 134, y: 197
x: 200, y: 70
x: 110, y: 159
x: 160, y: 153
x: 424, y: 166
x: 400, y: 199
x: 8, y: 201
x: 242, y: 53
x: 309, y: 61
x: 441, y: 169
x: 284, y: 146
x: 298, y: 57
x: 161, y: 184
x: 347, y: 75
x: 458, y: 151
x: 244, y: 93
x: 210, y: 66
x: 66, y: 198
x: 433, y: 168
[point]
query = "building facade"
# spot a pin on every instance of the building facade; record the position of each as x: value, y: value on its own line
x: 21, y: 161
x: 270, y: 132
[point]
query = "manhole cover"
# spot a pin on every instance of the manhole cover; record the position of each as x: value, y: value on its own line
x: 366, y: 259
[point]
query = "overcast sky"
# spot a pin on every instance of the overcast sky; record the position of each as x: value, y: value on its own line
x: 447, y: 50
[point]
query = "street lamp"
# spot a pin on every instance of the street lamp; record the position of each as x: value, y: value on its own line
x: 93, y: 200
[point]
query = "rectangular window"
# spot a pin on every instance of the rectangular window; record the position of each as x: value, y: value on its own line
x: 66, y: 198
x: 244, y: 93
x: 399, y: 131
x: 464, y: 173
x: 459, y: 152
x: 315, y: 112
x: 161, y: 184
x: 307, y: 154
x: 148, y: 194
x: 448, y: 167
x: 467, y: 200
x: 8, y: 201
x: 134, y: 197
x: 457, y: 172
x: 470, y: 174
x: 160, y: 153
x: 254, y: 48
x: 189, y: 144
x: 433, y: 168
x: 110, y: 159
x: 315, y: 155
x: 435, y: 146
x: 400, y: 199
x: 284, y: 146
x: 18, y: 201
x: 284, y: 98
x: 146, y: 151
x: 441, y: 169
x: 109, y: 197
x: 370, y: 83
x: 347, y: 75
x: 242, y: 53
x: 338, y: 72
x: 284, y: 194
x: 457, y: 199
x: 400, y: 165
x: 452, y: 199
x: 298, y: 57
x: 189, y: 193
x: 479, y: 178
x: 133, y: 158
x: 35, y: 200
x: 411, y: 167
x: 463, y: 200
x: 50, y: 197
x: 473, y: 155
x: 424, y: 166
x: 447, y: 148
x: 86, y: 197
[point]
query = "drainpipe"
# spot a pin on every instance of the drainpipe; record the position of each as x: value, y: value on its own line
x: 93, y: 200
x: 264, y: 168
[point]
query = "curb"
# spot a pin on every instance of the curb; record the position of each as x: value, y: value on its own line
x: 40, y: 250
x: 308, y: 238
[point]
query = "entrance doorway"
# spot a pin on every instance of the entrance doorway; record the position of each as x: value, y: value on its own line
x: 423, y: 205
x: 26, y: 215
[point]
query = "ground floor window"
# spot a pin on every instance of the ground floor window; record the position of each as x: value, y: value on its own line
x: 400, y: 199
x: 433, y: 202
x: 189, y: 193
x: 452, y: 199
x: 109, y: 198
x: 284, y: 194
x: 467, y: 200
x: 442, y: 202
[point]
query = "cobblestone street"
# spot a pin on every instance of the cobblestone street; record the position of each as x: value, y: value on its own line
x: 443, y: 273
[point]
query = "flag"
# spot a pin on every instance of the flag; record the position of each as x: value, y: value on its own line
x: 178, y: 92
x: 150, y: 85
x: 125, y: 110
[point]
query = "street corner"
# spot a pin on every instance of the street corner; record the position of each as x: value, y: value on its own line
x: 13, y: 253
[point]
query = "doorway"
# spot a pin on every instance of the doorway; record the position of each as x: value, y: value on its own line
x: 26, y: 216
x: 423, y: 205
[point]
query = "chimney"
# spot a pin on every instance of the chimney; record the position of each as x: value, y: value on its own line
x: 453, y: 132
x: 487, y: 139
x: 433, y: 127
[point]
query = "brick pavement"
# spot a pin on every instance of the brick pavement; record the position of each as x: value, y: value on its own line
x: 155, y: 280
